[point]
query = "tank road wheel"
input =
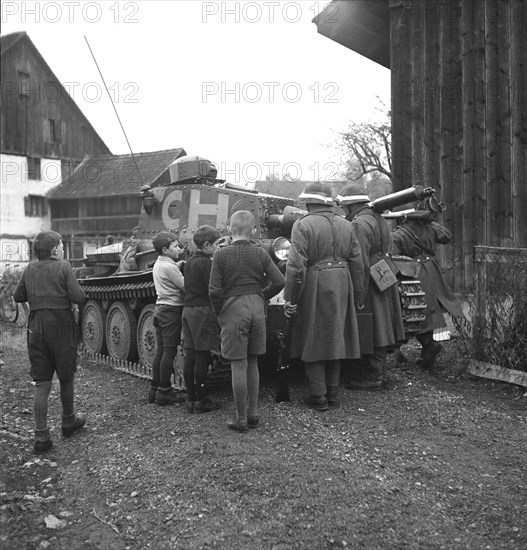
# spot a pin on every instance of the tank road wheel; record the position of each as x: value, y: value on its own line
x: 146, y: 336
x: 121, y: 332
x: 92, y: 326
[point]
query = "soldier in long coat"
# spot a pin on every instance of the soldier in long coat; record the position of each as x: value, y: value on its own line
x: 325, y: 251
x: 417, y: 238
x: 374, y: 237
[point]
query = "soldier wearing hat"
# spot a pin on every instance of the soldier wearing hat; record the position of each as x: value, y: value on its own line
x: 374, y: 237
x: 325, y: 251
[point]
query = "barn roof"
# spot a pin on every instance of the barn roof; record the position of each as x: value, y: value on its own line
x: 115, y: 175
x: 360, y: 25
x: 7, y: 40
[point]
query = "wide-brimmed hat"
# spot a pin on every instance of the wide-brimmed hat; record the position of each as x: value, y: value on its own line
x: 316, y: 193
x: 352, y: 193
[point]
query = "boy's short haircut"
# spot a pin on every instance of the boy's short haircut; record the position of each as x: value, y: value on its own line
x: 204, y: 234
x: 242, y: 223
x: 162, y: 240
x: 45, y: 242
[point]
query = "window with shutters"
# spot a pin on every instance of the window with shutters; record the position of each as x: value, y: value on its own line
x: 33, y: 169
x: 35, y: 206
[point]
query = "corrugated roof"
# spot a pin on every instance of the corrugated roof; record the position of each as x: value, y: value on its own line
x: 7, y: 40
x: 114, y: 175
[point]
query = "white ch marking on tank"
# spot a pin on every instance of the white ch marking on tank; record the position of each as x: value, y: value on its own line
x: 220, y: 210
x: 168, y: 222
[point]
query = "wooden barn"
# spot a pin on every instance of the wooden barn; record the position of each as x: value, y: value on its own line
x: 101, y: 197
x: 459, y: 109
x: 43, y: 134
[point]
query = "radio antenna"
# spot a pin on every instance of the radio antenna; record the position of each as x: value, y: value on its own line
x: 115, y: 109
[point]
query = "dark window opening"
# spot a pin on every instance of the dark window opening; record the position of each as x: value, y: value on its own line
x: 64, y: 208
x: 54, y: 131
x: 113, y: 206
x: 23, y: 79
x: 33, y: 169
x: 35, y: 206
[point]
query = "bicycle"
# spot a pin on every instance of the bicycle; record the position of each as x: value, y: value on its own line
x: 11, y: 311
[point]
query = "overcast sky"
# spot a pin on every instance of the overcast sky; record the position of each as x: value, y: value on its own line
x: 251, y: 86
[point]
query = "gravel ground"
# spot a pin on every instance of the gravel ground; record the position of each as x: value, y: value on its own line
x: 436, y: 461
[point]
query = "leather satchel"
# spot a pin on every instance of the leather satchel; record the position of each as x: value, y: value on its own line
x: 382, y: 276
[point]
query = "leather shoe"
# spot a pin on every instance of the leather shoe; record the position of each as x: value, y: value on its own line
x: 152, y: 395
x: 164, y: 397
x: 431, y: 351
x: 332, y: 396
x: 206, y: 406
x: 237, y: 426
x: 253, y: 421
x: 42, y: 446
x: 78, y: 423
x: 318, y: 402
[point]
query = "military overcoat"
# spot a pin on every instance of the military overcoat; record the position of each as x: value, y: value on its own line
x: 374, y: 237
x: 326, y: 252
x: 408, y: 240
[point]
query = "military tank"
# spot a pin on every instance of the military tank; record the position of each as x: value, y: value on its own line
x: 117, y: 318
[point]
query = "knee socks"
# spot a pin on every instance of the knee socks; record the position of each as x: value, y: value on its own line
x: 245, y: 385
x: 239, y: 388
x: 188, y: 373
x: 253, y: 385
x: 42, y: 389
x: 195, y: 370
x: 201, y: 370
x: 166, y: 367
x: 67, y: 397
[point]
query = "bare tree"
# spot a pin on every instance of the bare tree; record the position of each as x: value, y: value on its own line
x: 368, y: 146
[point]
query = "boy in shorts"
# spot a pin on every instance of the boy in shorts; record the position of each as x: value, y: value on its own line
x: 200, y: 326
x: 50, y: 287
x: 238, y: 291
x: 170, y: 285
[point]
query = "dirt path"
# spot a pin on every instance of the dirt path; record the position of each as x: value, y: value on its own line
x: 432, y: 463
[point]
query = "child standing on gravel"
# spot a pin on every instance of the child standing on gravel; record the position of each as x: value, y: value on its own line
x: 170, y: 286
x: 238, y: 291
x: 50, y: 287
x: 200, y: 326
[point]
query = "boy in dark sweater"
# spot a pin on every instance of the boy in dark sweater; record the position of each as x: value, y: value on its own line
x: 200, y: 326
x: 50, y: 287
x: 238, y: 291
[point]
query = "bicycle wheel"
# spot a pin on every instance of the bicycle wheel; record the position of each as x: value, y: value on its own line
x: 9, y: 309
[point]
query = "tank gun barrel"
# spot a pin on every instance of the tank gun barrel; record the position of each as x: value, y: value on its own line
x: 424, y: 216
x: 412, y: 194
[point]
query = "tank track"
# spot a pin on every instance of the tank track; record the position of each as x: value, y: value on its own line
x: 126, y: 291
x: 219, y: 370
